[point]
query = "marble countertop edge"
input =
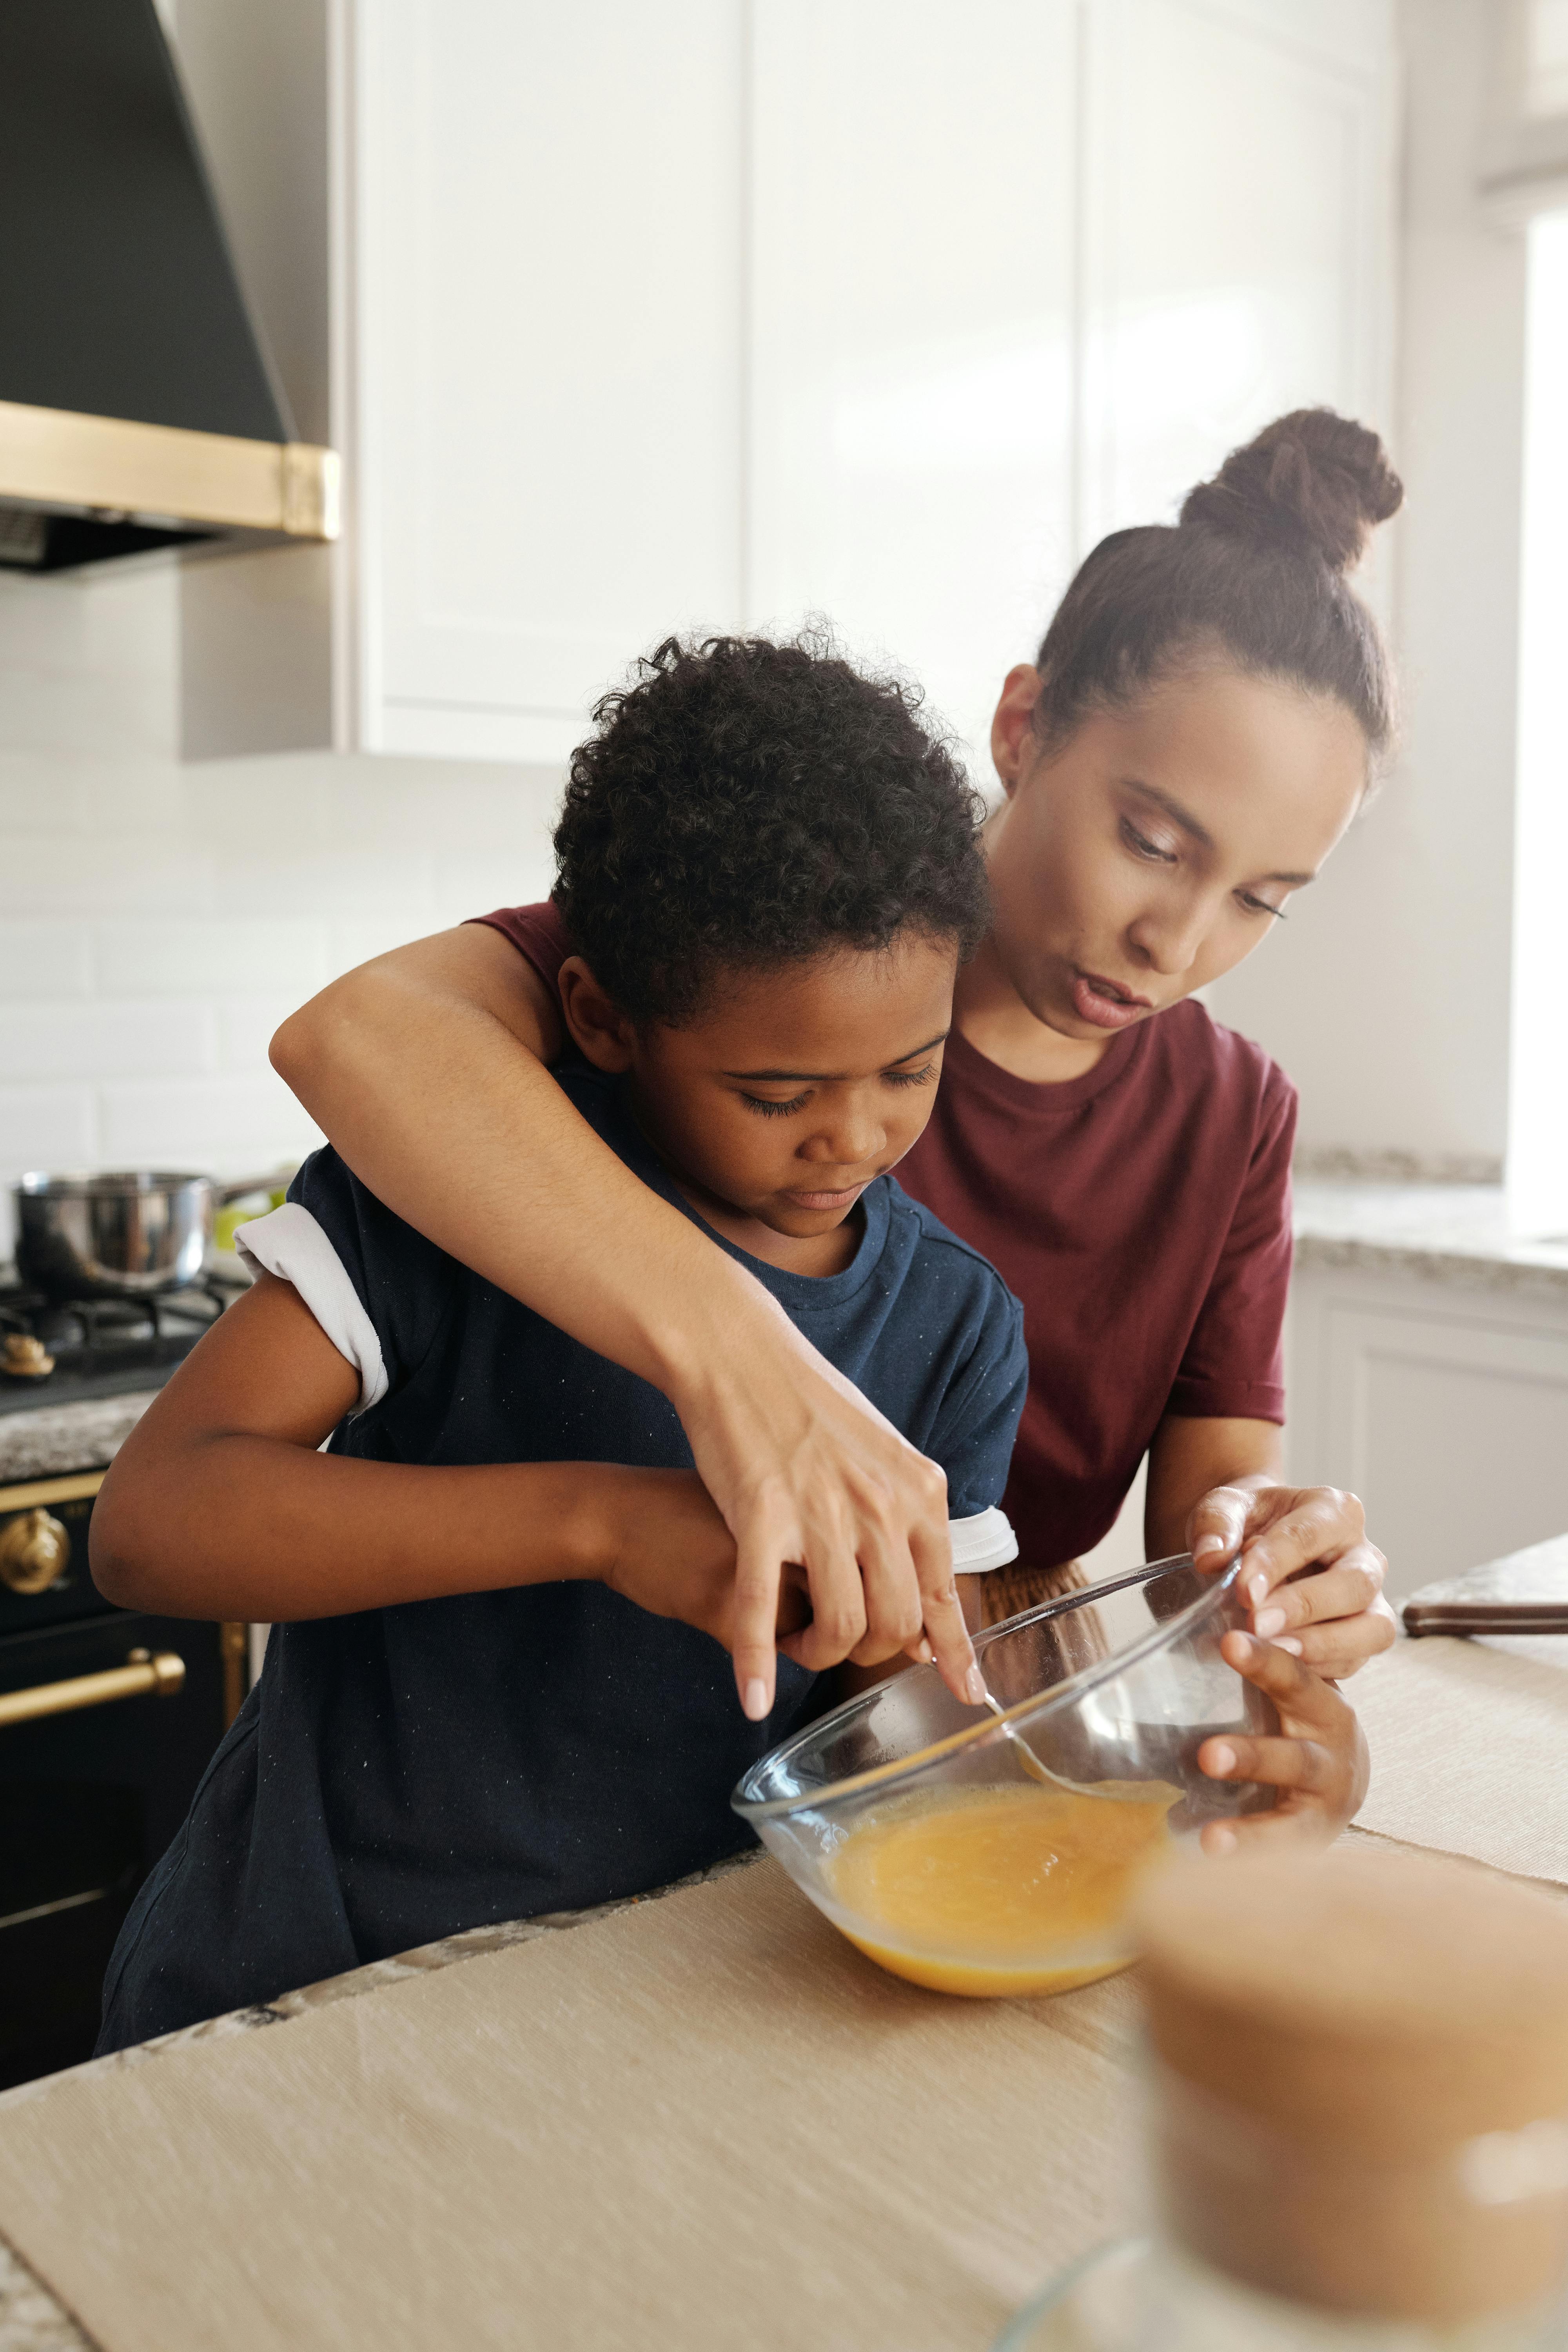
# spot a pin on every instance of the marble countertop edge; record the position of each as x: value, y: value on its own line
x: 1458, y: 1234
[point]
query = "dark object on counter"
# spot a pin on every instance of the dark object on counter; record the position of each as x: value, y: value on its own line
x: 128, y: 1234
x: 108, y: 1719
x: 1526, y: 1592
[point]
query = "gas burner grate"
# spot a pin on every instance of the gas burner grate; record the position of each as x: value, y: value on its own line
x: 46, y: 1344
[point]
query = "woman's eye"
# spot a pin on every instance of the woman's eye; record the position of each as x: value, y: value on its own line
x: 1142, y: 847
x: 910, y: 1077
x: 760, y: 1103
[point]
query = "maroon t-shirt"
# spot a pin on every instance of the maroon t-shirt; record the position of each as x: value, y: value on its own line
x: 1141, y: 1214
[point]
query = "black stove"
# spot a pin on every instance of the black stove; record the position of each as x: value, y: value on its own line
x: 108, y: 1716
x: 53, y: 1354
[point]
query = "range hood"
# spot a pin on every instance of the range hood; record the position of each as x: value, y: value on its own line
x: 138, y: 408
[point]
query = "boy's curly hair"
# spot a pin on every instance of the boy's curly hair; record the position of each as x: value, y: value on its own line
x: 744, y: 803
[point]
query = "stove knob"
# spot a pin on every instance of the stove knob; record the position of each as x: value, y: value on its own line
x: 35, y: 1551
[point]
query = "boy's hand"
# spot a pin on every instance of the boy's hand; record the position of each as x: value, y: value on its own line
x: 1313, y: 1580
x: 1319, y: 1761
x: 661, y: 1542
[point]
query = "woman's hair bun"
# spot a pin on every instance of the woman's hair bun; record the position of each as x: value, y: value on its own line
x: 1310, y: 479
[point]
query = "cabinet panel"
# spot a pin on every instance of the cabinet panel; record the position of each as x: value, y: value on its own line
x: 911, y: 380
x: 1448, y: 1421
x: 1235, y: 229
x: 547, y: 249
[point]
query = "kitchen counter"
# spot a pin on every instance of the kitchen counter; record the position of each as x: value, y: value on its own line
x: 687, y: 2129
x: 51, y: 1440
x: 30, y: 2318
x: 1458, y: 1234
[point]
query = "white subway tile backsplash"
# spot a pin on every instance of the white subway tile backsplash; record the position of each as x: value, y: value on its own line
x: 246, y: 1027
x: 49, y: 632
x: 53, y: 1127
x: 472, y: 886
x: 101, y: 872
x: 188, y: 955
x: 85, y: 1041
x: 38, y: 801
x: 87, y: 713
x: 222, y: 1126
x: 44, y: 960
x: 47, y: 1127
x: 131, y: 624
x: 358, y: 939
x: 157, y: 922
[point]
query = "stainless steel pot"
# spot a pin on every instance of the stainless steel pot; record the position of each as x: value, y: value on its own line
x: 129, y: 1235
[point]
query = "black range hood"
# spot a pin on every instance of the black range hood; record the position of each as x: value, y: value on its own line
x: 138, y: 408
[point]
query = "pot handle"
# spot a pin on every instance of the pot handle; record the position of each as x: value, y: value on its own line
x: 273, y: 1181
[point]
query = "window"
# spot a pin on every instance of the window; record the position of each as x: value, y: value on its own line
x: 1538, y: 1091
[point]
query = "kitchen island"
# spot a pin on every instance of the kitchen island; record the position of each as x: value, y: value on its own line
x: 699, y: 2118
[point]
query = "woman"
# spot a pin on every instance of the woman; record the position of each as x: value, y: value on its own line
x: 1195, y: 736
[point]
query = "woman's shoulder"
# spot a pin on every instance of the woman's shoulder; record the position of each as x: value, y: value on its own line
x: 1203, y: 1058
x: 536, y: 931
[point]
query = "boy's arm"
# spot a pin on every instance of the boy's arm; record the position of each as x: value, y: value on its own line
x: 426, y: 1069
x: 219, y: 1506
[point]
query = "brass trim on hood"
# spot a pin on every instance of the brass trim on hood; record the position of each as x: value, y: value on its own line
x: 54, y: 458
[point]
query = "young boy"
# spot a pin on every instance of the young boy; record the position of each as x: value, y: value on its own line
x: 493, y: 1686
x: 497, y: 1682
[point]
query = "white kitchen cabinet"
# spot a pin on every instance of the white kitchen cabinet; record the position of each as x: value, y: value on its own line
x: 740, y: 310
x: 911, y: 370
x: 543, y: 430
x: 1445, y: 1407
x: 1237, y: 229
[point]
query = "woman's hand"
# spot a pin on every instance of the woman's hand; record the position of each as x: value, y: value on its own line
x: 1313, y: 1581
x: 1318, y: 1760
x: 804, y: 1470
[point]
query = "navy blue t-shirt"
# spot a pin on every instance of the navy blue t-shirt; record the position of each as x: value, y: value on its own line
x: 403, y: 1773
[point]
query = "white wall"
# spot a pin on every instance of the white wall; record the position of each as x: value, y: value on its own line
x: 1386, y: 995
x: 157, y: 920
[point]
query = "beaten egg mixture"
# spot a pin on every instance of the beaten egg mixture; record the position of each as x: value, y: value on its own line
x: 1002, y: 1891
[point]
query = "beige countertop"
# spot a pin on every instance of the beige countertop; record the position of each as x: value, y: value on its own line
x: 31, y: 2320
x: 735, y: 2092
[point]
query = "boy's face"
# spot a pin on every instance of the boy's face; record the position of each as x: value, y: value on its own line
x: 791, y: 1091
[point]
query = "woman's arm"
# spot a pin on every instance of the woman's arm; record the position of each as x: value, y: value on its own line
x: 1314, y: 1581
x: 426, y: 1069
x: 219, y: 1506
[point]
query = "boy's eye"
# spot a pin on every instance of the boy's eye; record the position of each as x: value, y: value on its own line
x: 1142, y: 847
x: 772, y: 1109
x: 1255, y: 906
x: 910, y: 1077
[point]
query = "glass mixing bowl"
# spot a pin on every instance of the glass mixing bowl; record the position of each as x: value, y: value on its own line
x: 988, y: 1854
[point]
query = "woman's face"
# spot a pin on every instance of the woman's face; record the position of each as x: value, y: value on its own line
x: 1158, y: 847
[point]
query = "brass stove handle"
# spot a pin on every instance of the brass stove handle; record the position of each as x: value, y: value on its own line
x: 144, y: 1672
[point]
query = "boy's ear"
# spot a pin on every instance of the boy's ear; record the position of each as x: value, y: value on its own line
x: 598, y: 1028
